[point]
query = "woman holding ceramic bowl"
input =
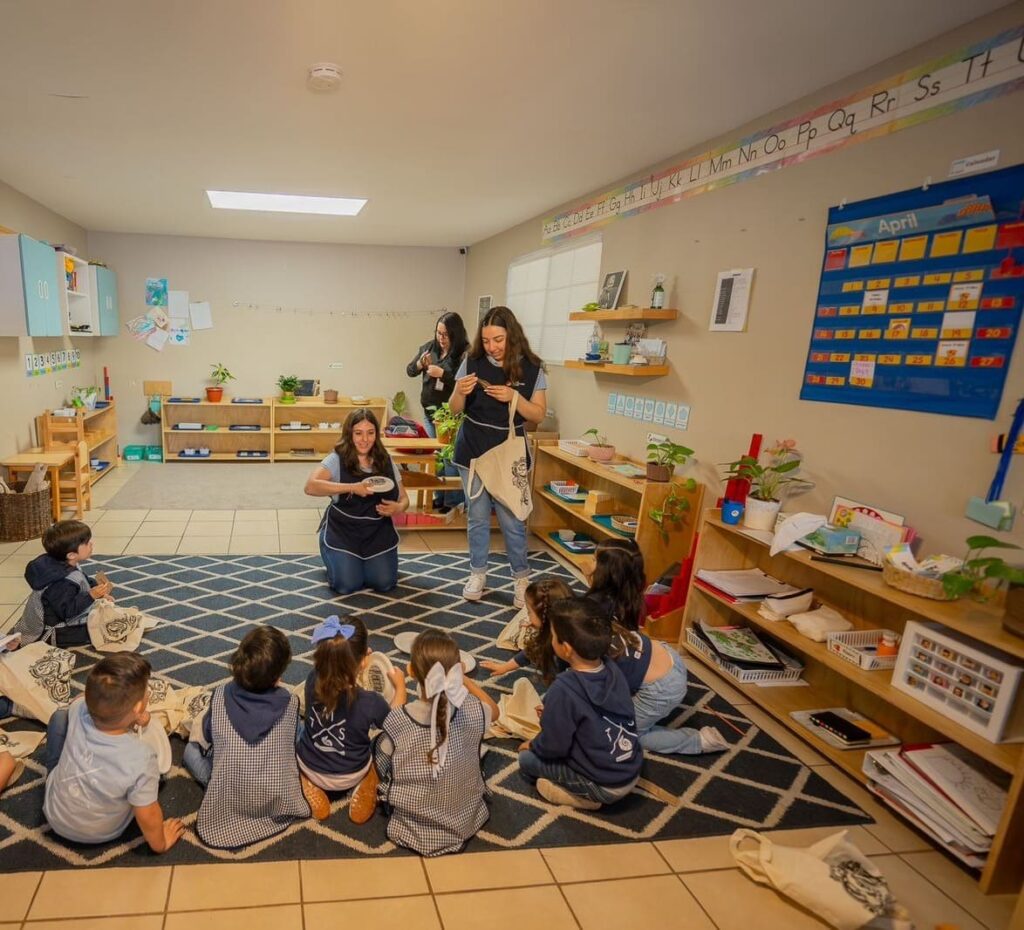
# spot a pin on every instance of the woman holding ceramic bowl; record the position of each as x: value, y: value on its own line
x: 499, y: 368
x: 358, y: 539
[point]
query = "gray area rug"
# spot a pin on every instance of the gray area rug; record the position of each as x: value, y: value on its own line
x: 216, y: 486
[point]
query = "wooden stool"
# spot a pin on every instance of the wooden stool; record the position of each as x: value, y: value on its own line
x: 74, y: 490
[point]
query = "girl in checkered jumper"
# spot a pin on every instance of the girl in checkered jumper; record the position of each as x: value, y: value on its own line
x: 428, y: 756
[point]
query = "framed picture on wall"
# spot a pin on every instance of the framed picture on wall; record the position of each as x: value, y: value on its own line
x: 611, y: 288
x: 483, y: 304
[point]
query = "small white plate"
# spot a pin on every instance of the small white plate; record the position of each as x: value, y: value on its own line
x: 404, y: 641
x: 379, y: 483
x: 374, y: 677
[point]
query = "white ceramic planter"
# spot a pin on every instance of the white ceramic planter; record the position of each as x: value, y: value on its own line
x: 760, y: 515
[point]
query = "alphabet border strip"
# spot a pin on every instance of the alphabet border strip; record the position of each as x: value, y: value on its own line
x: 973, y: 75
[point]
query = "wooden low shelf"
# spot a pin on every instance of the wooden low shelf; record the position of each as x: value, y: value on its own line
x: 626, y: 315
x: 97, y: 428
x: 630, y: 371
x: 868, y: 603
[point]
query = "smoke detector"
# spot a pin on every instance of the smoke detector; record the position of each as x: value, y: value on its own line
x: 323, y: 77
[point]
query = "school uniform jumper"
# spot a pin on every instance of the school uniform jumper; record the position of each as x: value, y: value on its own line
x: 58, y: 608
x: 486, y: 426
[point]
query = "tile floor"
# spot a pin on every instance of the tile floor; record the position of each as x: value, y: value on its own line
x: 689, y: 884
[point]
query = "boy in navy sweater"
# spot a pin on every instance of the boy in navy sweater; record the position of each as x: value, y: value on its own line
x: 587, y: 753
x: 61, y: 591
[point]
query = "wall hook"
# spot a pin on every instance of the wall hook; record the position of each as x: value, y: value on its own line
x: 927, y: 183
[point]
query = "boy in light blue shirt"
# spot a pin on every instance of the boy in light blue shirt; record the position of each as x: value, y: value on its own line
x: 101, y: 774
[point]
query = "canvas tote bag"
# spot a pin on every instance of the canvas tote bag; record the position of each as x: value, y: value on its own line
x: 517, y: 712
x: 504, y: 471
x: 117, y: 629
x: 831, y: 878
x: 516, y: 633
x: 37, y: 678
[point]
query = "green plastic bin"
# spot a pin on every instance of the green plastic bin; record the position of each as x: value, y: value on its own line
x: 134, y: 453
x: 154, y: 454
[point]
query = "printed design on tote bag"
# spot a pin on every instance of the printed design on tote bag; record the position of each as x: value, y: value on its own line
x: 159, y: 689
x: 118, y: 629
x: 53, y: 673
x: 5, y: 742
x: 197, y: 706
x: 521, y: 479
x: 870, y: 890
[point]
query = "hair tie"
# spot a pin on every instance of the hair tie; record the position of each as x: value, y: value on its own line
x: 332, y: 627
x: 449, y: 684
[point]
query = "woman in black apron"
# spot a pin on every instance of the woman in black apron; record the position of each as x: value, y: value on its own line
x: 358, y: 539
x: 500, y: 364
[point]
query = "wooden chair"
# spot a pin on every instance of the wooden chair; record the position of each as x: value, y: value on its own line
x: 74, y: 490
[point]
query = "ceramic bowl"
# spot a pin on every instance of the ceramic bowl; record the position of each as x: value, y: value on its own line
x: 567, y: 535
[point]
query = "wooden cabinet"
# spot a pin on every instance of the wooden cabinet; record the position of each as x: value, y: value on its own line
x: 30, y: 289
x: 104, y: 294
x: 867, y: 602
x: 98, y: 428
x: 311, y: 442
x: 224, y: 443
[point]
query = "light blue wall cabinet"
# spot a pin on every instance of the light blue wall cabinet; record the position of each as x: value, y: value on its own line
x: 29, y: 288
x: 104, y: 289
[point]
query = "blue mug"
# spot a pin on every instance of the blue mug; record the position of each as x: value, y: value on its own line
x: 732, y: 512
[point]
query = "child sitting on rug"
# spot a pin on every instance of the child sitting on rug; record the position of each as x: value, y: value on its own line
x: 334, y: 749
x: 539, y: 597
x: 249, y: 770
x: 654, y: 672
x: 101, y: 774
x: 428, y: 756
x: 7, y: 769
x: 62, y: 594
x: 587, y: 753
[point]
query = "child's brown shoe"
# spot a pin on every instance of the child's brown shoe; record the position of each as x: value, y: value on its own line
x: 317, y: 799
x: 363, y: 801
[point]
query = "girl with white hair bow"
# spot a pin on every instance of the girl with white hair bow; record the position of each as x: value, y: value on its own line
x: 428, y: 755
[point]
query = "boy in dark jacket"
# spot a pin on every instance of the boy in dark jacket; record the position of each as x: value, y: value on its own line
x: 587, y: 753
x: 61, y: 591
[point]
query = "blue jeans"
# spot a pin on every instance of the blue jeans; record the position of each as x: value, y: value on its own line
x: 479, y: 531
x: 428, y: 425
x: 6, y: 707
x: 654, y: 701
x: 533, y: 767
x: 348, y: 574
x: 199, y: 761
x: 56, y: 733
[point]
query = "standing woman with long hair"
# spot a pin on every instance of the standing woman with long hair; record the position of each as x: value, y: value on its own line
x: 358, y: 539
x: 436, y: 362
x: 499, y: 366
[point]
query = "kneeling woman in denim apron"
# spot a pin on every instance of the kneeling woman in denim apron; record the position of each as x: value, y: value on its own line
x: 358, y: 539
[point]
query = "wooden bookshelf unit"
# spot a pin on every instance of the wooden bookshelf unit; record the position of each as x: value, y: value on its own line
x: 223, y: 442
x: 98, y: 428
x: 312, y: 411
x: 868, y: 603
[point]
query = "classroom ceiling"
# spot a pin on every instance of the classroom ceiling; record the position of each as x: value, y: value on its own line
x: 456, y: 118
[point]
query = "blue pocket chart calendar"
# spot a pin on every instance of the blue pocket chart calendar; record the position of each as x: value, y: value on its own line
x: 920, y: 297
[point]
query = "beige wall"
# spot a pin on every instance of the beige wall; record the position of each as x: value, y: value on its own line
x: 25, y: 397
x: 923, y: 465
x: 378, y: 283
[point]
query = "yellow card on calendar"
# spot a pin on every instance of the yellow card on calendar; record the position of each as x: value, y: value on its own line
x: 913, y: 248
x: 977, y: 274
x: 938, y: 277
x: 908, y: 280
x: 849, y: 286
x: 946, y: 243
x: 980, y: 239
x: 860, y: 255
x: 885, y: 251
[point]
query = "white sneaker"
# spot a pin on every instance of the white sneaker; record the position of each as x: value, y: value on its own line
x: 519, y: 597
x: 474, y: 589
x: 711, y: 740
x: 556, y: 794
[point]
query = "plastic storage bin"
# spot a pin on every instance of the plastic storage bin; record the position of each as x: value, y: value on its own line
x: 154, y: 454
x: 134, y: 453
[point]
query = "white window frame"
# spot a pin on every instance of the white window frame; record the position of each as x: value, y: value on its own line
x: 542, y: 288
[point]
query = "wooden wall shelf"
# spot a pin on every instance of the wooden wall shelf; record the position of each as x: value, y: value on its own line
x: 626, y: 315
x: 629, y: 371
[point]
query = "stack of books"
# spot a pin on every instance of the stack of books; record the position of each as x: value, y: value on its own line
x: 743, y: 586
x: 944, y: 791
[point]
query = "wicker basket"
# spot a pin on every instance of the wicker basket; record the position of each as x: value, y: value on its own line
x: 914, y: 584
x: 24, y: 516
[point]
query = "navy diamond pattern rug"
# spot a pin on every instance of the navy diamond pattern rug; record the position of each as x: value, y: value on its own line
x: 207, y: 603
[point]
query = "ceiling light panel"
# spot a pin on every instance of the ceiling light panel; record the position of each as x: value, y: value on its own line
x: 285, y: 203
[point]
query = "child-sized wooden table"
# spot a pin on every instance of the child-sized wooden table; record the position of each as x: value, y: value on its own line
x: 25, y: 462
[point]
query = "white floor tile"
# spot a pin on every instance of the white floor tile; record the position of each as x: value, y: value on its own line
x: 242, y: 516
x: 169, y: 515
x: 162, y: 528
x: 110, y: 545
x: 13, y: 566
x: 254, y: 545
x: 225, y: 516
x: 204, y: 545
x: 256, y: 527
x: 153, y: 545
x: 115, y: 528
x: 300, y: 543
x: 35, y: 546
x: 127, y: 514
x: 207, y: 528
x: 13, y: 590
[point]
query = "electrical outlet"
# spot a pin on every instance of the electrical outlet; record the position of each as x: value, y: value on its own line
x: 656, y: 438
x: 336, y: 365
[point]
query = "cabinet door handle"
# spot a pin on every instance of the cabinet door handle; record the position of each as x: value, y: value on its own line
x: 46, y: 290
x: 39, y: 289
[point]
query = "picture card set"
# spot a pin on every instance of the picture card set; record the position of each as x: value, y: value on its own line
x: 171, y: 317
x: 647, y: 410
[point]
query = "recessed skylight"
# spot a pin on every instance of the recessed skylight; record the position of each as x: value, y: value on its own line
x: 285, y: 203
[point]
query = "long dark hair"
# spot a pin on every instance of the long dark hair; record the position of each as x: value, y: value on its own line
x: 540, y: 595
x: 429, y: 647
x: 619, y: 579
x: 346, y: 449
x: 336, y: 662
x: 517, y: 346
x: 457, y: 338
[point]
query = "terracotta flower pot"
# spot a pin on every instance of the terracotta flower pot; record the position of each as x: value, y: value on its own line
x: 601, y: 453
x: 214, y: 394
x: 659, y: 472
x: 330, y: 397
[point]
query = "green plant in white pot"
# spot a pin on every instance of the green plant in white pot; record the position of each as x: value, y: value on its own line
x: 769, y: 482
x: 600, y: 450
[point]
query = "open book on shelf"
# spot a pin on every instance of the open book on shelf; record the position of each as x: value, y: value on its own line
x: 739, y: 645
x: 748, y: 584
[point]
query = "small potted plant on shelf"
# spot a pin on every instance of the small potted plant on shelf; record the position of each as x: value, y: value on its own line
x: 399, y: 403
x: 446, y: 423
x: 288, y: 385
x: 220, y: 376
x: 662, y: 459
x: 672, y: 513
x: 600, y: 450
x: 768, y: 482
x: 983, y: 575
